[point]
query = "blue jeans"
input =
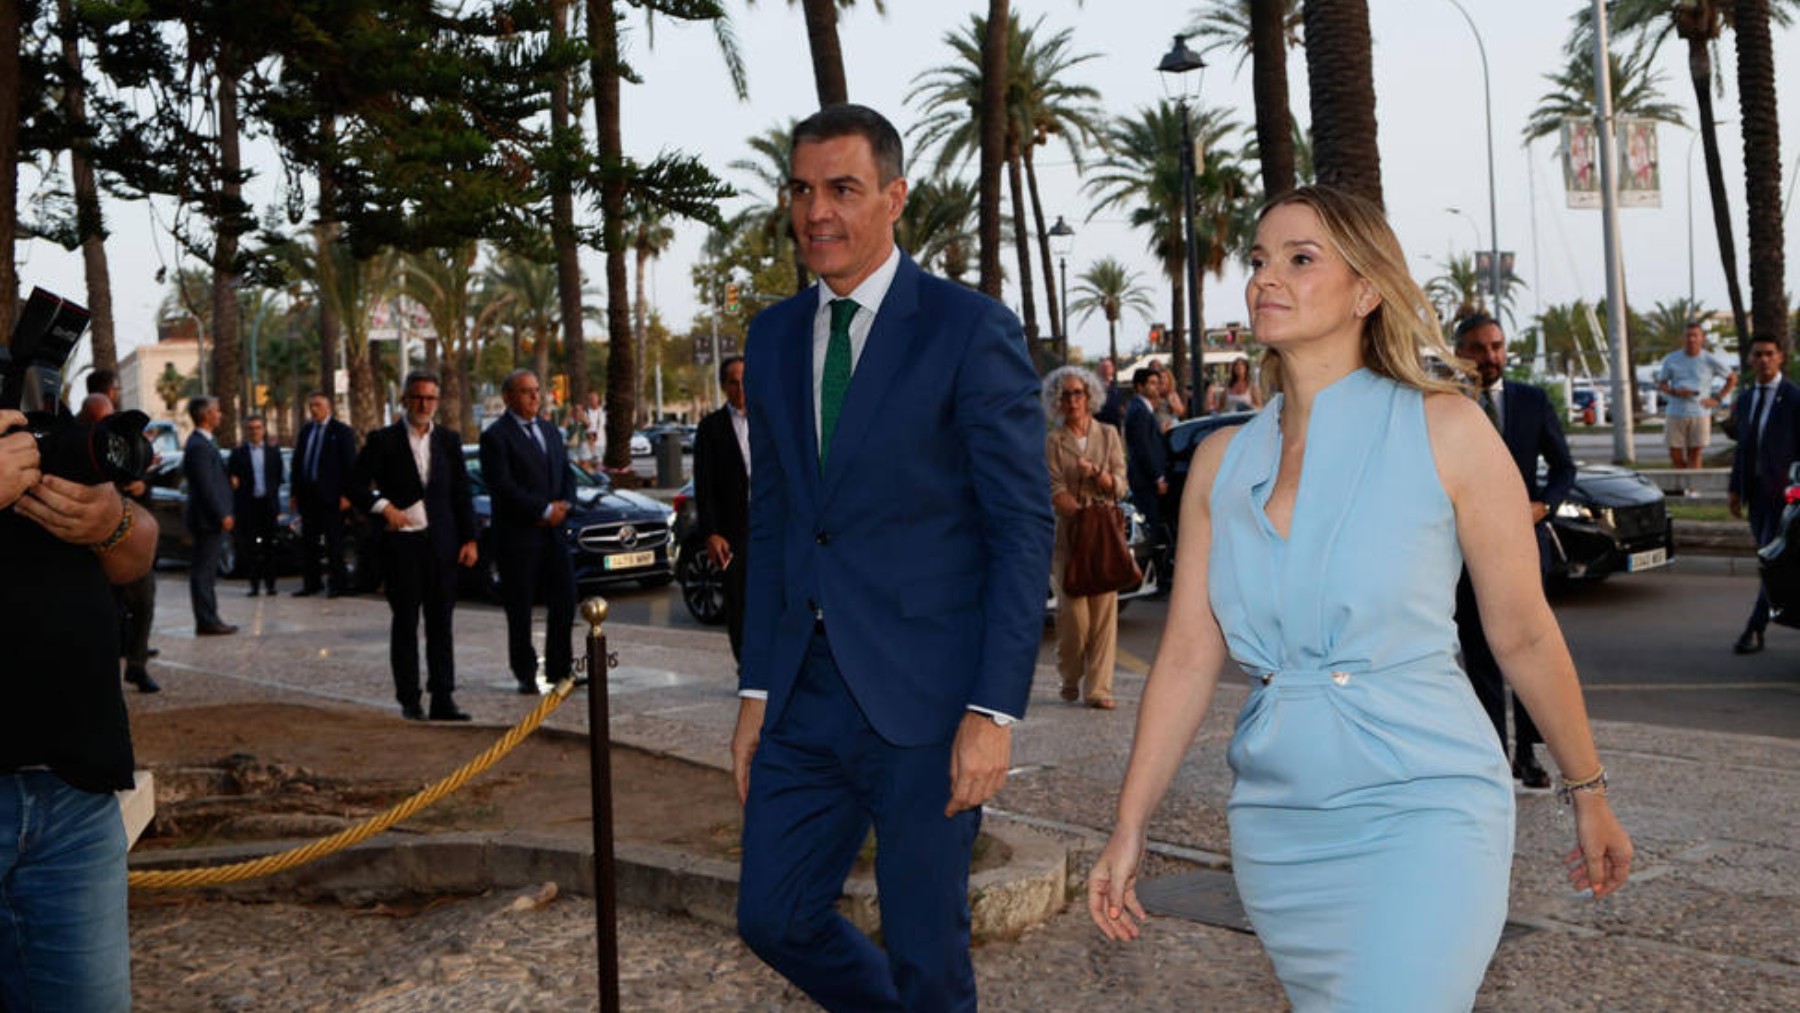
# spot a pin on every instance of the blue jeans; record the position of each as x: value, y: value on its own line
x: 64, y: 941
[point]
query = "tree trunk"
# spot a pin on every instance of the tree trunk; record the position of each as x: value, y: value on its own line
x: 1176, y: 333
x: 827, y: 56
x: 1700, y: 70
x: 9, y: 163
x: 1762, y: 169
x: 639, y: 331
x: 450, y: 408
x: 621, y: 363
x: 1341, y: 82
x: 1022, y: 246
x: 562, y: 220
x: 330, y: 328
x: 993, y: 140
x: 1112, y: 338
x: 89, y: 224
x: 1059, y: 328
x: 227, y: 380
x: 365, y: 414
x: 540, y: 353
x: 1269, y: 83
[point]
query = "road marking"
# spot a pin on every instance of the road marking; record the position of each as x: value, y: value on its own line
x: 1131, y: 662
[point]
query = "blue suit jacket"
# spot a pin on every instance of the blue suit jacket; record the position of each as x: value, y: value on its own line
x: 336, y: 457
x: 209, y: 488
x: 1528, y: 425
x: 243, y: 498
x: 1762, y: 483
x: 519, y: 481
x: 1146, y: 457
x: 925, y: 544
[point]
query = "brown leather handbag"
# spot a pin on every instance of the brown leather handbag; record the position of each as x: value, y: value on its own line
x: 1099, y: 557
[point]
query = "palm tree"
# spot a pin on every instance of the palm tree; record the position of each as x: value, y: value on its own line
x: 1636, y: 88
x: 1264, y: 31
x: 771, y: 170
x: 1699, y: 23
x: 1458, y: 291
x: 442, y: 283
x: 90, y: 226
x: 565, y: 130
x: 1341, y: 82
x: 352, y: 288
x: 935, y: 224
x: 822, y: 39
x: 650, y: 238
x: 1762, y: 168
x: 1111, y: 288
x: 1662, y: 328
x: 1038, y: 104
x: 990, y: 112
x: 1140, y: 172
x: 536, y: 305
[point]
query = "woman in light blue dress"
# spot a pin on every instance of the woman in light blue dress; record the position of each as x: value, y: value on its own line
x: 1371, y: 818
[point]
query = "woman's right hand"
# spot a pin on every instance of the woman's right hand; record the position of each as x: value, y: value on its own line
x: 1112, y: 887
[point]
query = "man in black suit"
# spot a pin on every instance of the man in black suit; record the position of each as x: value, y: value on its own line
x: 411, y: 475
x: 527, y: 475
x: 722, y: 492
x: 324, y: 453
x: 207, y: 514
x: 1529, y: 426
x: 1147, y: 462
x: 255, y: 469
x: 1768, y: 428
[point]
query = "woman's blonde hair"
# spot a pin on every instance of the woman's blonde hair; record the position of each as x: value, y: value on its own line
x: 1400, y: 332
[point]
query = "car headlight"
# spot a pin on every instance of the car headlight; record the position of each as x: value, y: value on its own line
x: 1571, y: 510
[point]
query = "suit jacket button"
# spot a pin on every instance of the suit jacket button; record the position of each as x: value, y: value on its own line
x: 823, y: 537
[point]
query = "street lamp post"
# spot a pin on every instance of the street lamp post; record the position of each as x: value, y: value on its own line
x: 1487, y: 98
x: 1062, y: 242
x: 1175, y: 65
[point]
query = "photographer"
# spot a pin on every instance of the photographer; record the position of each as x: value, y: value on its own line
x: 65, y: 745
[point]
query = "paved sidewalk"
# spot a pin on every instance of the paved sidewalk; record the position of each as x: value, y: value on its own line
x: 1708, y: 923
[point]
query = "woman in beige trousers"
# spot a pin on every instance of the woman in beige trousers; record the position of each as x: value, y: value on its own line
x: 1087, y: 465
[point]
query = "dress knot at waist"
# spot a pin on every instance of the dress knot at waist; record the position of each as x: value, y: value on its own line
x: 1300, y: 676
x: 1343, y: 673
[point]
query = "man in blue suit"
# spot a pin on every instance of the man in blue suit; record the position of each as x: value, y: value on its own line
x: 324, y: 453
x: 256, y: 474
x: 1528, y: 425
x: 900, y: 533
x: 207, y: 514
x: 527, y: 475
x: 1768, y: 442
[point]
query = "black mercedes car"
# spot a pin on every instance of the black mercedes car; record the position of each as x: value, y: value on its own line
x: 1613, y: 521
x: 613, y: 535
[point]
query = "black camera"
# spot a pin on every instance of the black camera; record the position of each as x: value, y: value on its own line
x: 111, y: 450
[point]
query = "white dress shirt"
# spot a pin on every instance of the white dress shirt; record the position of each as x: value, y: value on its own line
x: 257, y: 481
x: 740, y: 425
x: 421, y: 453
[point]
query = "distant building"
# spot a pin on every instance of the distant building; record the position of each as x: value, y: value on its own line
x: 177, y: 345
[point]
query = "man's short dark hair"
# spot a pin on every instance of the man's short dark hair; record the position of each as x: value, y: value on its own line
x: 1141, y: 376
x: 729, y: 361
x: 197, y: 407
x: 851, y: 120
x: 317, y: 393
x: 1766, y: 339
x: 1469, y: 324
x: 101, y: 380
x: 253, y: 418
x: 421, y: 376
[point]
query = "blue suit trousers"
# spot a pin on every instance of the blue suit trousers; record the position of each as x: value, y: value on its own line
x: 820, y: 779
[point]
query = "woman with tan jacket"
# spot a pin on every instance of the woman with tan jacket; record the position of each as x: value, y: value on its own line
x: 1087, y: 465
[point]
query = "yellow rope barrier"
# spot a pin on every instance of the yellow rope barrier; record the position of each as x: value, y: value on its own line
x: 177, y: 879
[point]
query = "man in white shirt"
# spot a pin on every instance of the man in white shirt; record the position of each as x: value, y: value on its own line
x: 1686, y: 377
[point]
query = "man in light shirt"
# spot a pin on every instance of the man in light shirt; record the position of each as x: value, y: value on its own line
x: 1686, y: 377
x: 411, y: 475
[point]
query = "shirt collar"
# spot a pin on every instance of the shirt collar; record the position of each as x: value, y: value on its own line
x: 873, y: 289
x: 734, y: 411
x: 1495, y: 388
x: 522, y: 420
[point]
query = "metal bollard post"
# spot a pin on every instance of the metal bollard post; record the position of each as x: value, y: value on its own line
x: 606, y: 915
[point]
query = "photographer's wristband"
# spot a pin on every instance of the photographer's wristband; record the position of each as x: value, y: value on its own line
x: 119, y: 533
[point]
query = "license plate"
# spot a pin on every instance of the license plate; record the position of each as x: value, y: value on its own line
x: 1649, y: 559
x: 632, y: 560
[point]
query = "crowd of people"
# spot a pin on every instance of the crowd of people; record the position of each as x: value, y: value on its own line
x: 880, y: 689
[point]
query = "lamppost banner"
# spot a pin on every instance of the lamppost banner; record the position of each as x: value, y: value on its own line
x: 1640, y: 175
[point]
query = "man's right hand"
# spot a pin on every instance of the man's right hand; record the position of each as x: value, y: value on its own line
x: 743, y: 742
x: 559, y: 511
x: 719, y: 549
x: 18, y: 460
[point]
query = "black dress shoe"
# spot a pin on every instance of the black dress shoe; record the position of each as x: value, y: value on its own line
x: 448, y: 712
x: 141, y: 679
x: 529, y: 689
x: 306, y: 592
x: 216, y: 630
x: 253, y: 592
x: 1749, y: 643
x: 412, y: 712
x: 1527, y: 772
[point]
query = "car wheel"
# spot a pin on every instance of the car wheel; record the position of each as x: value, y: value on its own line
x: 702, y: 584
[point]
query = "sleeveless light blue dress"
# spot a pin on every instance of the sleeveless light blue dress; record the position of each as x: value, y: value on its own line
x: 1372, y: 815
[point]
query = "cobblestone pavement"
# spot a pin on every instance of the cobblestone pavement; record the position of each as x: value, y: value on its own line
x: 1708, y: 922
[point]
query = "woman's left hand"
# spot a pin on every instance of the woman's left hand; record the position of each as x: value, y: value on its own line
x: 1602, y: 857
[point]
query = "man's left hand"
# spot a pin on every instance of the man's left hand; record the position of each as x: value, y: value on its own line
x: 978, y: 762
x: 1539, y: 511
x: 75, y: 513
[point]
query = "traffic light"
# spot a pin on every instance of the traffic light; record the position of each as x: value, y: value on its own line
x: 731, y: 297
x: 559, y: 388
x: 1156, y: 335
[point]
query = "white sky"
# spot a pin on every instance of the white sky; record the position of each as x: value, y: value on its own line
x: 1429, y: 107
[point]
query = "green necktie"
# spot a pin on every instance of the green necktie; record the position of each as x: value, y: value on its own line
x: 1487, y: 405
x: 837, y: 372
